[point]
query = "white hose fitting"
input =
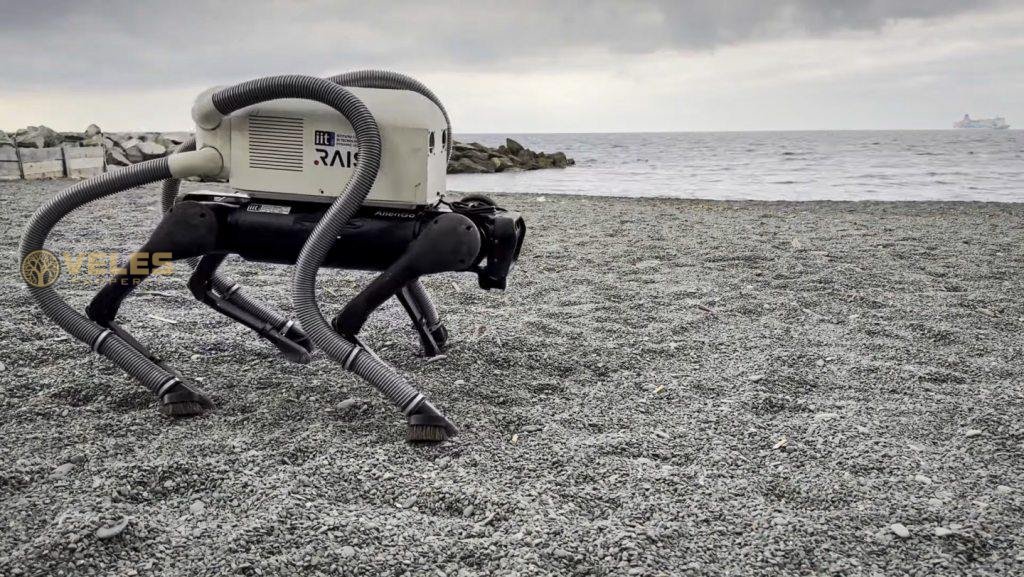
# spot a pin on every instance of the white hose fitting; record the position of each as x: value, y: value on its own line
x: 204, y: 113
x: 204, y: 162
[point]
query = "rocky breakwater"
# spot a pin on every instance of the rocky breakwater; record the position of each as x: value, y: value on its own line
x: 125, y: 148
x: 509, y: 157
x: 120, y: 148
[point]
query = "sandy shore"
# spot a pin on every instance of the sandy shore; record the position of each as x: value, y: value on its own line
x: 668, y: 387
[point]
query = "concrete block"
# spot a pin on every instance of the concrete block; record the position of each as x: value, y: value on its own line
x: 10, y: 168
x: 42, y: 162
x: 83, y: 162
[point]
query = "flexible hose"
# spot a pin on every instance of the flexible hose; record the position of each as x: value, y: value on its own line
x: 394, y: 81
x: 38, y: 229
x: 327, y: 230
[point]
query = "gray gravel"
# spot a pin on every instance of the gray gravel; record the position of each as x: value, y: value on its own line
x: 668, y: 387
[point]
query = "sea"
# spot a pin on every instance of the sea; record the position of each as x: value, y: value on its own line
x: 958, y: 165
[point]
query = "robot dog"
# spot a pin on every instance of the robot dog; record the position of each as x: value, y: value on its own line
x: 345, y: 172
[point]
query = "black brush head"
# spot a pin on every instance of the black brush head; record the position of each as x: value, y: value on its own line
x: 426, y: 434
x: 182, y: 410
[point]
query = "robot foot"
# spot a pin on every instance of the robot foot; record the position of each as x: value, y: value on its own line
x: 181, y: 401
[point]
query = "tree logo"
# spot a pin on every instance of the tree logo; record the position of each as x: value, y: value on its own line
x: 40, y: 268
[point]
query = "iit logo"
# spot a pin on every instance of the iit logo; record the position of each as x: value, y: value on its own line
x: 323, y: 138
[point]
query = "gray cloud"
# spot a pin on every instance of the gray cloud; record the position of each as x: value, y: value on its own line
x: 85, y: 43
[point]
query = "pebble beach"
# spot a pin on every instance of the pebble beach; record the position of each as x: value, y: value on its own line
x: 667, y: 387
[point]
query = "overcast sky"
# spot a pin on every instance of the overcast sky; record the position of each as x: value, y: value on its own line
x: 522, y: 66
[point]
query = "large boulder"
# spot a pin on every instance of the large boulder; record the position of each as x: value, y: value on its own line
x: 37, y: 137
x: 5, y: 140
x: 478, y: 156
x: 459, y: 147
x: 560, y: 160
x: 92, y: 130
x: 137, y: 150
x: 131, y: 150
x: 177, y: 137
x: 119, y: 137
x: 115, y: 157
x: 514, y: 148
x: 467, y: 165
x: 94, y: 140
x: 527, y: 160
x: 152, y: 150
x: 501, y: 163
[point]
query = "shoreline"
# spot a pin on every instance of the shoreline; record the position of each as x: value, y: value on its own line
x: 551, y: 195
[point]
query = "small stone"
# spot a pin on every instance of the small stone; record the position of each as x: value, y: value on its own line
x: 972, y: 433
x: 467, y: 511
x: 923, y: 479
x: 819, y: 363
x: 111, y: 531
x: 348, y: 551
x: 460, y: 382
x: 62, y: 471
x: 661, y: 434
x: 826, y: 416
x: 77, y: 459
x: 1003, y: 490
x: 935, y: 502
x: 756, y: 378
x: 900, y: 530
x: 943, y: 531
x: 348, y: 404
x: 408, y: 503
x: 197, y: 508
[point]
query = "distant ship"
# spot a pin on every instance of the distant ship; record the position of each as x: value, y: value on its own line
x: 998, y: 123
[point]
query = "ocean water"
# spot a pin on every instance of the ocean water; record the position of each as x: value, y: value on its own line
x: 816, y: 165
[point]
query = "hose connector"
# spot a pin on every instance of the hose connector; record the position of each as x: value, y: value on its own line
x: 204, y: 113
x: 204, y: 162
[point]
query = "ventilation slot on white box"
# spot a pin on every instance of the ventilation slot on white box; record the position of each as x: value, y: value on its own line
x: 275, y: 143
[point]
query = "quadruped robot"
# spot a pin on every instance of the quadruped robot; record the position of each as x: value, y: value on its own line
x: 344, y: 172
